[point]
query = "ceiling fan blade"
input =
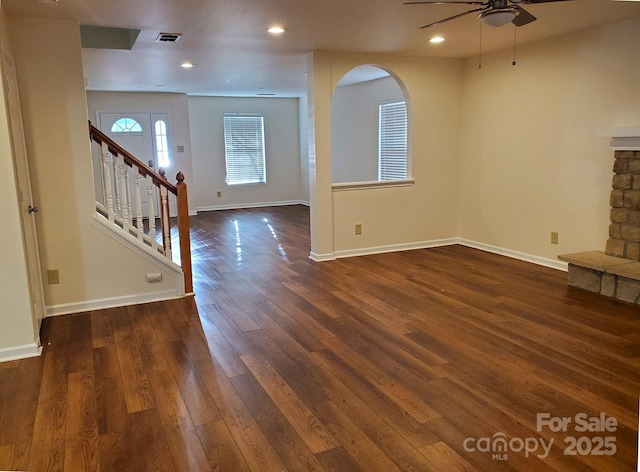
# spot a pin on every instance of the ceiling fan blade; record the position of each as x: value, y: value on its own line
x: 452, y: 17
x: 454, y: 2
x: 523, y: 17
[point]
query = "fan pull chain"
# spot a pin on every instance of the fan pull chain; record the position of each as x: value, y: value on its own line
x: 515, y: 31
x: 480, y: 52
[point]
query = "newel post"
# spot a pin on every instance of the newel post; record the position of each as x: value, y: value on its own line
x: 183, y: 231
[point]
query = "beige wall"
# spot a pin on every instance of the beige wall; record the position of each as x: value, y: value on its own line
x: 531, y: 159
x: 320, y: 86
x: 16, y: 322
x: 282, y: 149
x: 95, y: 270
x: 391, y: 218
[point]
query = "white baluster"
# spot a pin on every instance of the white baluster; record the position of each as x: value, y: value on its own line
x: 128, y: 179
x: 125, y: 193
x: 166, y: 222
x: 106, y: 181
x: 138, y: 202
x: 151, y: 209
x: 116, y: 180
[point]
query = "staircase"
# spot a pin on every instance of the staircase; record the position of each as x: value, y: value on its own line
x: 130, y: 192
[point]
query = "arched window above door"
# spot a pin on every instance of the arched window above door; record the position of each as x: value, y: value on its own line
x: 126, y: 125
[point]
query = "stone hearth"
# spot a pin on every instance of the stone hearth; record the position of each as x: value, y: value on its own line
x: 616, y: 272
x: 610, y: 276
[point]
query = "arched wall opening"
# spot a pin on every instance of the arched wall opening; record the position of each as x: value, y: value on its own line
x: 357, y: 132
x: 356, y: 218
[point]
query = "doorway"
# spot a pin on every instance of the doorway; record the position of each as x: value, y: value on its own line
x: 27, y: 205
x: 145, y: 135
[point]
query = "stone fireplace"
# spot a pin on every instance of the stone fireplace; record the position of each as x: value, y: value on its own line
x: 624, y: 231
x: 616, y: 271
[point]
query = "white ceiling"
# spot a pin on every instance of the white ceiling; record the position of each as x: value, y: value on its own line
x: 233, y: 55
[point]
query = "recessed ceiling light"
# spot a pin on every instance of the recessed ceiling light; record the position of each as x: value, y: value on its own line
x: 436, y: 39
x: 276, y: 30
x: 186, y: 65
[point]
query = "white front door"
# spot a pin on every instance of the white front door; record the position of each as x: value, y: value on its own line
x: 27, y: 205
x: 136, y: 136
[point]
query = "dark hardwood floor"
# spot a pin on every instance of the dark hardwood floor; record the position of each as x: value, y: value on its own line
x: 444, y: 359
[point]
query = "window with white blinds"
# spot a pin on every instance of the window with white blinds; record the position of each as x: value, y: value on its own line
x: 392, y: 144
x: 244, y: 148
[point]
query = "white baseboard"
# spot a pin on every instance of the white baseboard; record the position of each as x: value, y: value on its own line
x: 239, y: 206
x: 102, y: 303
x: 20, y: 352
x: 543, y: 261
x: 395, y: 248
x: 322, y: 257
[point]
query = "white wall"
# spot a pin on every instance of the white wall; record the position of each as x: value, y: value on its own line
x: 391, y: 218
x: 354, y: 128
x: 531, y: 158
x: 95, y: 270
x: 282, y: 152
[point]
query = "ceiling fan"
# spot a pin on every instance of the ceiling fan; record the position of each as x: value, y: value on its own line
x: 492, y: 12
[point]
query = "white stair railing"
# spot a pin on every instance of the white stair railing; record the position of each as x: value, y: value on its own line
x: 128, y: 186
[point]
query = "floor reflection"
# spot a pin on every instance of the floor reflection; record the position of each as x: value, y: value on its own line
x: 283, y: 253
x: 238, y: 243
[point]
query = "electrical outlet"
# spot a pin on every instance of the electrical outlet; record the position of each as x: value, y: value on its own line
x: 554, y: 237
x: 155, y: 277
x: 53, y: 276
x: 219, y: 194
x: 358, y: 229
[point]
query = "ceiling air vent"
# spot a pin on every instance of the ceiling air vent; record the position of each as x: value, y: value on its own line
x: 168, y: 37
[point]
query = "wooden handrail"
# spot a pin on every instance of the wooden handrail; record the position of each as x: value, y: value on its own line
x: 159, y: 180
x: 99, y: 137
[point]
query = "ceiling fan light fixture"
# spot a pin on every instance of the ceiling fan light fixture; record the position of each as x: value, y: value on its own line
x: 498, y: 16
